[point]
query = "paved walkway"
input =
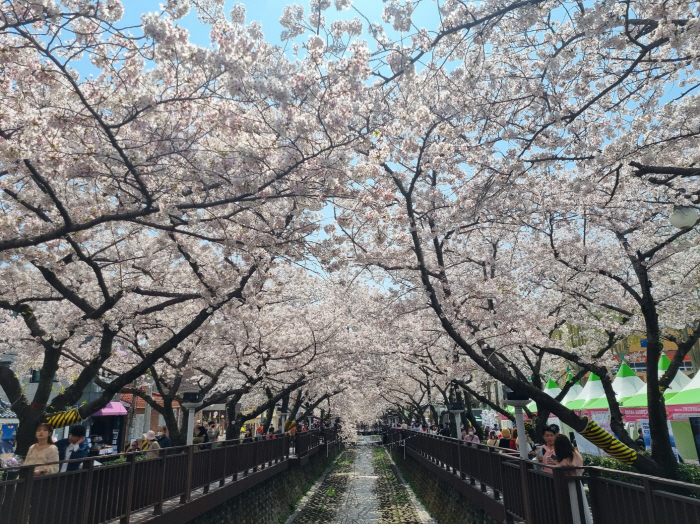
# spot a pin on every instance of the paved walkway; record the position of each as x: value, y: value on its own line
x: 361, y: 488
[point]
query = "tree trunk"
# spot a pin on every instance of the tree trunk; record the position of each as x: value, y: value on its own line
x: 233, y: 430
x: 295, y: 407
x: 268, y: 418
x: 26, y: 432
x: 661, y: 450
x: 471, y: 418
x: 177, y: 436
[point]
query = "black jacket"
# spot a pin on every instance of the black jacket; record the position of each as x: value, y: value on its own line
x: 82, y: 452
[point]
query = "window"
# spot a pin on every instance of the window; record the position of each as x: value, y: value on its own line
x: 639, y: 367
x: 686, y: 365
x: 35, y: 376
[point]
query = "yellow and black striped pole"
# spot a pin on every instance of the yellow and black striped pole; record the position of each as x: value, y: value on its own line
x: 64, y: 418
x: 605, y: 441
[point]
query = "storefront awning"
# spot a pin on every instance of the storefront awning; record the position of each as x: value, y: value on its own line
x: 113, y: 409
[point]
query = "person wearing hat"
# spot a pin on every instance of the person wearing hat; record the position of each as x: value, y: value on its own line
x: 150, y: 445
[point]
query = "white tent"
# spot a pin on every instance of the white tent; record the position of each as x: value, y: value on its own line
x: 593, y: 390
x: 574, y: 392
x: 625, y: 386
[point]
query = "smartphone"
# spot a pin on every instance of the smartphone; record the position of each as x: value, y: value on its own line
x: 553, y: 457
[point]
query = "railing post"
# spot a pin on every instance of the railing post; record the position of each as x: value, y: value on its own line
x: 88, y: 491
x: 158, y: 508
x: 460, y: 445
x: 222, y: 481
x: 562, y: 497
x: 245, y: 459
x: 210, y: 454
x: 649, y: 497
x: 496, y: 476
x: 237, y: 463
x: 188, y: 480
x: 27, y: 476
x: 131, y: 459
x: 481, y: 471
x: 473, y: 466
x: 256, y: 445
x: 526, y: 492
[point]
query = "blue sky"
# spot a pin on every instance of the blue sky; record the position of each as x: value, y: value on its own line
x: 268, y: 13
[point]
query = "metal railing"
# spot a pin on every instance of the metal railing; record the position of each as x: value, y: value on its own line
x: 524, y: 491
x: 305, y: 441
x: 113, y: 491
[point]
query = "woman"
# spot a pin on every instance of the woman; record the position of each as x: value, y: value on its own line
x: 200, y: 436
x: 513, y: 444
x: 43, y: 452
x: 150, y: 445
x: 546, y: 453
x: 493, y: 439
x: 504, y: 442
x: 567, y: 456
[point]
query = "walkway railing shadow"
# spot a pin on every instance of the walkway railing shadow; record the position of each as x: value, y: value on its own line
x: 515, y: 490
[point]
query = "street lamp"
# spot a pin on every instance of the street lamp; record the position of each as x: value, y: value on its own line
x: 191, y: 401
x: 518, y: 402
x: 683, y: 217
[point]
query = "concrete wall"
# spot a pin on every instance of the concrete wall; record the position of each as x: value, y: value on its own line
x: 443, y: 502
x: 272, y: 501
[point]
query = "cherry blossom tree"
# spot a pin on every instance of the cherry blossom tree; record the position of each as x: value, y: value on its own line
x: 144, y: 199
x: 507, y: 185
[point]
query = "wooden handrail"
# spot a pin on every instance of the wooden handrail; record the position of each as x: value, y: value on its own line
x: 124, y: 482
x: 520, y: 502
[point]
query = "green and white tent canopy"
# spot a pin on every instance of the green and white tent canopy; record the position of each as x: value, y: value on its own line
x: 573, y: 393
x: 625, y: 385
x: 593, y: 390
x: 552, y: 389
x: 689, y: 395
x: 639, y: 400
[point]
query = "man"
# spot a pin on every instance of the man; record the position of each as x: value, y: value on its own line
x: 468, y: 435
x: 445, y: 431
x: 163, y: 438
x: 545, y: 455
x: 73, y: 447
x: 212, y: 432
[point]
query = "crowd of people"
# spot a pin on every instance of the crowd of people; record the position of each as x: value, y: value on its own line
x: 51, y: 457
x: 555, y: 448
